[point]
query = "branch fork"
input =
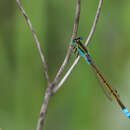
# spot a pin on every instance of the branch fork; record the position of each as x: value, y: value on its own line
x: 55, y: 86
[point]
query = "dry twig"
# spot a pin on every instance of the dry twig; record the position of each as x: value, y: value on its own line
x: 40, y: 124
x: 36, y: 40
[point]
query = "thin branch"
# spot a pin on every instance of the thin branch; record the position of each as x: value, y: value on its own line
x: 44, y: 107
x: 74, y: 34
x: 36, y: 40
x: 86, y: 43
x: 94, y: 23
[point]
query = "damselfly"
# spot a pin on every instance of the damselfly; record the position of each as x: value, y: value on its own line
x: 79, y: 48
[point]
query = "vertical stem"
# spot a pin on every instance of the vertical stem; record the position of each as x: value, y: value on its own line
x: 44, y: 107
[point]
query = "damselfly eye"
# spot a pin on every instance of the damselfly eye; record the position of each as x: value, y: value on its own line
x: 81, y: 38
x: 74, y: 41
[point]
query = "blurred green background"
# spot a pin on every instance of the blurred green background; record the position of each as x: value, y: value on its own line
x: 81, y: 103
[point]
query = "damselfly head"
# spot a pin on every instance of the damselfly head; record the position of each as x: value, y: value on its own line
x: 77, y: 40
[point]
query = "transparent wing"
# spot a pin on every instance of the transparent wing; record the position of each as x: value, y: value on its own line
x: 105, y: 90
x: 102, y: 85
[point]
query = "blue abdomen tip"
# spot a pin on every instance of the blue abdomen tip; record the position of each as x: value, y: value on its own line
x: 126, y: 112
